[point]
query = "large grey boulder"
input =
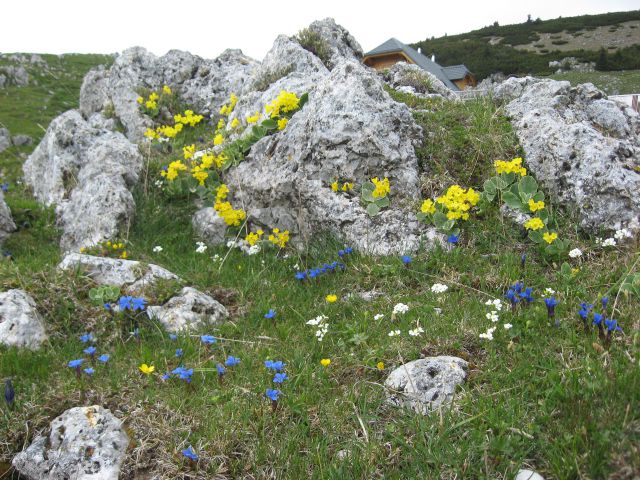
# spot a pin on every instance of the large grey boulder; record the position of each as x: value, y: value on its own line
x: 5, y: 139
x: 419, y: 80
x: 350, y: 129
x: 426, y: 384
x: 15, y: 75
x: 583, y: 148
x: 20, y: 323
x: 191, y: 310
x: 21, y: 140
x: 133, y: 275
x: 340, y: 43
x: 84, y: 443
x: 209, y: 226
x: 6, y: 222
x: 88, y: 173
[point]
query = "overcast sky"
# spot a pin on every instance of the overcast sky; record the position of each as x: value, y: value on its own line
x: 207, y: 27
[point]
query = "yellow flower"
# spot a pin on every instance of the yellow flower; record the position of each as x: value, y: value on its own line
x: 550, y: 237
x: 282, y: 123
x: 514, y: 166
x: 218, y: 139
x: 220, y: 125
x: 574, y: 271
x: 140, y: 100
x: 325, y: 362
x: 146, y: 369
x: 535, y: 206
x: 278, y: 238
x: 235, y: 123
x: 534, y: 224
x: 150, y: 134
x: 334, y: 186
x: 285, y: 102
x: 253, y: 238
x: 172, y: 170
x: 380, y: 365
x: 254, y: 118
x: 151, y: 105
x: 347, y: 186
x: 428, y: 207
x: 153, y: 97
x: 123, y: 254
x: 331, y: 298
x: 166, y: 90
x: 188, y: 151
x: 382, y: 187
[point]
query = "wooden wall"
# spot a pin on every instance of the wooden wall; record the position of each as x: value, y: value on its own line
x: 385, y: 61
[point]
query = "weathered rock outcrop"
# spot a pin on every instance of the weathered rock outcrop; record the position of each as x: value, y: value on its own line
x: 135, y: 276
x: 418, y: 81
x: 84, y: 443
x: 6, y: 222
x: 426, y: 384
x: 190, y: 310
x: 209, y: 226
x: 340, y: 43
x: 5, y: 139
x: 583, y: 148
x: 14, y: 75
x: 87, y: 173
x: 350, y: 129
x: 20, y: 323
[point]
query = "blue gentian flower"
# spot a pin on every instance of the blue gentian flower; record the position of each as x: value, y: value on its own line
x: 4, y: 187
x: 512, y: 296
x: 183, y: 373
x: 314, y: 272
x: 208, y: 339
x: 90, y: 350
x: 277, y: 366
x: 612, y: 325
x: 75, y: 363
x: 9, y: 392
x: 586, y: 306
x: 179, y: 352
x: 597, y: 319
x: 124, y: 302
x: 166, y: 377
x: 190, y: 454
x: 138, y: 303
x: 89, y: 371
x: 173, y: 337
x: 406, y: 259
x: 280, y: 377
x: 605, y: 302
x: 301, y: 275
x: 86, y: 338
x: 583, y: 314
x: 341, y: 253
x: 526, y: 295
x: 270, y: 314
x: 107, y: 306
x: 231, y: 361
x: 453, y: 239
x: 104, y: 358
x: 221, y: 370
x: 348, y: 250
x: 272, y: 394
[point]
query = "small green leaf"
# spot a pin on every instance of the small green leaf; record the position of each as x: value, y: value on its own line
x: 535, y: 236
x: 269, y: 124
x: 304, y: 98
x: 512, y: 200
x: 528, y: 185
x: 565, y: 269
x: 538, y: 197
x: 490, y: 185
x: 382, y: 202
x: 373, y: 209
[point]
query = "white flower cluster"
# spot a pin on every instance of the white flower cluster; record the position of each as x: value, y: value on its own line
x: 575, y: 253
x: 623, y: 234
x: 488, y: 334
x: 439, y: 288
x: 493, y: 316
x: 378, y: 316
x: 607, y: 242
x: 400, y: 308
x: 394, y: 333
x: 496, y: 306
x: 549, y: 292
x: 157, y: 249
x: 416, y: 331
x: 244, y: 246
x: 216, y: 258
x: 323, y: 326
x: 201, y: 247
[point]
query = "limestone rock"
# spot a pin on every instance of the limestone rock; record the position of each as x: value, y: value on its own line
x: 350, y: 129
x: 84, y: 443
x: 191, y: 310
x: 528, y: 475
x: 422, y: 82
x: 512, y: 88
x: 21, y: 140
x: 583, y: 149
x: 6, y: 222
x: 5, y: 139
x: 341, y: 44
x: 134, y: 275
x: 15, y: 75
x: 20, y: 323
x: 209, y: 226
x: 426, y: 384
x: 87, y: 173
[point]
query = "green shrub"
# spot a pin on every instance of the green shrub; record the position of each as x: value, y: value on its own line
x: 312, y: 41
x: 268, y: 78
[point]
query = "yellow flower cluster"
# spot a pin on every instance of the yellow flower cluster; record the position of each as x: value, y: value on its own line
x: 458, y: 202
x: 171, y: 173
x: 189, y: 118
x: 535, y: 206
x: 282, y: 123
x: 346, y: 186
x: 550, y: 237
x: 230, y: 216
x: 428, y: 207
x: 166, y: 90
x: 235, y: 123
x: 106, y: 249
x: 188, y: 151
x: 382, y: 187
x: 151, y: 103
x: 514, y: 166
x: 253, y: 238
x: 535, y: 223
x: 207, y: 161
x: 285, y: 102
x: 254, y: 118
x: 227, y: 108
x: 278, y: 238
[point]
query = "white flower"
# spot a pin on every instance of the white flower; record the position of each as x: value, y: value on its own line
x: 216, y: 258
x: 549, y: 291
x: 497, y: 304
x: 378, y: 316
x: 201, y: 247
x: 253, y: 250
x: 231, y: 244
x: 622, y: 234
x: 575, y: 253
x: 318, y: 320
x: 507, y: 326
x: 493, y: 316
x: 157, y: 249
x: 439, y: 288
x: 609, y: 242
x: 296, y: 267
x: 158, y: 183
x: 416, y: 331
x: 437, y: 310
x: 489, y: 334
x: 394, y: 333
x: 400, y: 308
